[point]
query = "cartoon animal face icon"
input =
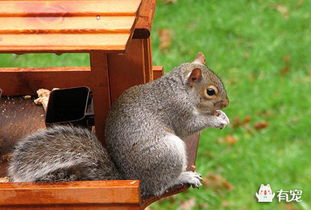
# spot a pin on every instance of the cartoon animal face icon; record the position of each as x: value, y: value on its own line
x: 265, y: 193
x: 265, y: 190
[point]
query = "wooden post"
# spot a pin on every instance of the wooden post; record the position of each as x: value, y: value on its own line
x: 101, y: 91
x: 148, y: 59
x: 128, y: 69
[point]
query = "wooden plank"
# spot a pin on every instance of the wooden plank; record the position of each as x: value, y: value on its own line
x: 34, y: 25
x: 145, y: 18
x: 128, y: 69
x: 68, y: 8
x: 18, y: 118
x: 45, y: 69
x: 136, y: 64
x: 26, y: 81
x: 148, y: 59
x: 192, y: 144
x: 3, y: 168
x: 157, y: 72
x: 83, y: 192
x: 100, y: 86
x: 74, y: 207
x: 63, y: 42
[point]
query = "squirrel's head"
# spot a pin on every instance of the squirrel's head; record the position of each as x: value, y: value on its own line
x: 207, y: 87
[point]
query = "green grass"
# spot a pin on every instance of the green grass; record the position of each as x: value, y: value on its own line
x: 44, y: 60
x: 245, y: 42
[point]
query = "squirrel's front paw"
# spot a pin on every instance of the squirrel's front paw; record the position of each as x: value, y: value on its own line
x: 219, y: 120
x: 192, y: 178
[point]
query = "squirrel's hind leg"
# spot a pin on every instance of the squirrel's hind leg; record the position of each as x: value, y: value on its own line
x: 166, y: 167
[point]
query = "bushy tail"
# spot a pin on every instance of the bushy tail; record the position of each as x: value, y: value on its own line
x: 61, y: 153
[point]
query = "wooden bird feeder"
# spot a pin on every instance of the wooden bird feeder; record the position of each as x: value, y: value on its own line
x: 116, y: 34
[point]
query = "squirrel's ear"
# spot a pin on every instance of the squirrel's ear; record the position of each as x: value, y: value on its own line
x: 200, y: 58
x: 195, y: 76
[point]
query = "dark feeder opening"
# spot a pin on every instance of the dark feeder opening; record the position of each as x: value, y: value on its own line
x: 70, y: 106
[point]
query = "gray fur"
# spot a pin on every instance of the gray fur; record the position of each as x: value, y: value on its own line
x: 61, y: 153
x: 146, y: 125
x: 144, y: 132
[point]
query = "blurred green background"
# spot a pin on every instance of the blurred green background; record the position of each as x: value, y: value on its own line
x: 261, y: 49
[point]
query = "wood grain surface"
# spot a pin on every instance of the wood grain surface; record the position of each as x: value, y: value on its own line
x: 70, y: 26
x: 22, y: 8
x: 83, y: 192
x: 145, y: 19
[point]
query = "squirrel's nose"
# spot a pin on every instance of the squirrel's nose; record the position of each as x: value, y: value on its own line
x: 221, y: 104
x: 225, y: 103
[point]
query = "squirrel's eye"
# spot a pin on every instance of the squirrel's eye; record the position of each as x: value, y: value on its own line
x: 211, y: 91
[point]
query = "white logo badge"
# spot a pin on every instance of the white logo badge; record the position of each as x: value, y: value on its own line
x: 265, y: 193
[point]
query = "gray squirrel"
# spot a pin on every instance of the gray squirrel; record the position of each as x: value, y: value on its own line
x: 144, y: 135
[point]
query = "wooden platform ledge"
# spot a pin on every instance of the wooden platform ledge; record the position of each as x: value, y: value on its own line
x: 71, y: 195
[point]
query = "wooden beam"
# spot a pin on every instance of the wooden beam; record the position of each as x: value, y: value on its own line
x: 115, y: 42
x: 148, y: 59
x: 68, y: 8
x: 145, y: 18
x: 100, y: 86
x: 81, y: 193
x: 26, y: 81
x: 128, y: 69
x: 67, y: 25
x: 158, y: 71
